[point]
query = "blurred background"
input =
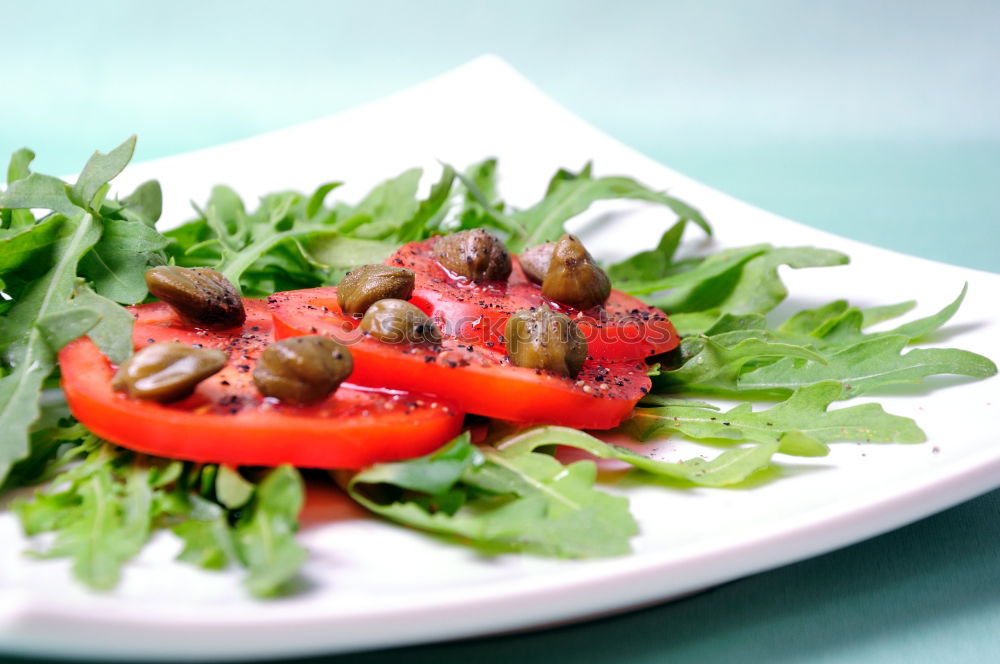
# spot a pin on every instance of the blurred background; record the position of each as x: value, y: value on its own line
x: 874, y: 119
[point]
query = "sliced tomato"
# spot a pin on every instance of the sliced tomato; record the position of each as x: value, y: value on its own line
x: 479, y: 378
x: 227, y: 421
x: 624, y: 328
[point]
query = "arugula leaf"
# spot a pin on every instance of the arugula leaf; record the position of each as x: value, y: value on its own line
x: 517, y: 500
x: 430, y: 211
x: 113, y: 331
x: 570, y: 195
x: 102, y: 510
x: 514, y: 497
x: 118, y: 261
x: 484, y: 208
x: 38, y: 191
x: 869, y: 364
x: 385, y: 208
x: 341, y: 254
x: 30, y: 358
x: 874, y: 315
x: 231, y: 489
x: 61, y: 327
x: 266, y: 540
x: 731, y: 467
x: 801, y: 424
x: 709, y: 361
x: 99, y: 521
x: 745, y: 286
x: 97, y: 172
x: 207, y: 536
x: 649, y: 266
x: 315, y: 203
x: 27, y: 243
x: 145, y: 204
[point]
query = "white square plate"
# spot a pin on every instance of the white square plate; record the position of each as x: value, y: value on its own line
x: 371, y: 584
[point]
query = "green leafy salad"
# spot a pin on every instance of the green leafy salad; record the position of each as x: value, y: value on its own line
x: 71, y: 255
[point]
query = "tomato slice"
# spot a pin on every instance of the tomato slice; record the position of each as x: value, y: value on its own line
x: 477, y: 377
x: 624, y: 328
x: 227, y: 421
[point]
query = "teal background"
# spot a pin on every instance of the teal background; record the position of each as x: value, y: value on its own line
x: 875, y: 120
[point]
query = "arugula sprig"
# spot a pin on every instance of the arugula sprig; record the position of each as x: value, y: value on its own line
x: 513, y: 495
x: 294, y: 240
x: 741, y: 353
x: 103, y: 503
x: 62, y: 275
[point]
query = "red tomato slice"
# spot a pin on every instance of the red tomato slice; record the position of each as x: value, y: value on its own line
x: 227, y: 421
x: 478, y: 378
x: 624, y: 328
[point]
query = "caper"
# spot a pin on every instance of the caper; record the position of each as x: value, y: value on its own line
x: 167, y: 371
x: 536, y: 260
x: 365, y: 285
x: 573, y: 277
x: 476, y: 255
x: 201, y: 296
x: 302, y: 370
x: 545, y: 339
x: 399, y: 322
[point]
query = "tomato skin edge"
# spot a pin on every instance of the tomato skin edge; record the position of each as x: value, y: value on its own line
x: 505, y: 392
x: 249, y: 439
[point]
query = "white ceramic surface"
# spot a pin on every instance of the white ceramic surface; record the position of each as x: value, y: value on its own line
x: 371, y: 584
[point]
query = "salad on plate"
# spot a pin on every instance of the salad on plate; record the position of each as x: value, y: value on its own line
x: 458, y: 365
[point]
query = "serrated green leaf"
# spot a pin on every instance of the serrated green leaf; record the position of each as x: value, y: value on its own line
x: 19, y: 166
x: 760, y: 288
x: 343, y: 254
x: 387, y: 206
x: 868, y: 364
x: 145, y: 203
x: 231, y: 489
x: 921, y: 327
x: 266, y: 539
x: 731, y: 467
x: 649, y: 266
x: 879, y: 314
x: 808, y: 321
x: 513, y: 499
x: 482, y: 210
x: 99, y: 170
x: 802, y: 424
x: 60, y: 328
x: 25, y: 245
x: 417, y: 226
x: 38, y: 191
x: 432, y: 474
x: 315, y: 203
x: 711, y: 361
x: 113, y: 332
x: 568, y: 197
x: 692, y: 283
x: 117, y: 264
x: 30, y: 358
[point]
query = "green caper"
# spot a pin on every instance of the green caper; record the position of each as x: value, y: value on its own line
x: 573, y: 277
x: 365, y: 285
x: 545, y: 339
x: 167, y: 371
x: 476, y: 255
x: 399, y: 322
x: 536, y: 260
x: 201, y: 296
x: 302, y: 370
